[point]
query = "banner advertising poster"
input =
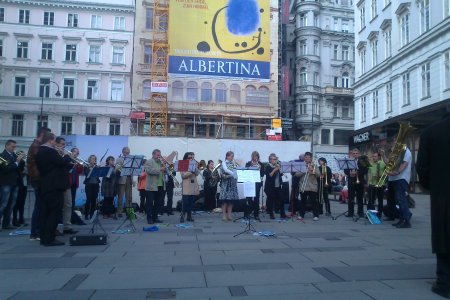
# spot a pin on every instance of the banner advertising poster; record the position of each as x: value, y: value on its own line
x: 224, y: 38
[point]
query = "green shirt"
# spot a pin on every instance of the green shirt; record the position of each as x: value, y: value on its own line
x: 375, y: 172
x: 161, y: 175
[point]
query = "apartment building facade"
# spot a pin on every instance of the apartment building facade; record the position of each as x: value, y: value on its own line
x: 65, y: 65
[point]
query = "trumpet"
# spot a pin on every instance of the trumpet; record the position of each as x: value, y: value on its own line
x: 21, y: 153
x: 76, y: 160
x: 215, y: 176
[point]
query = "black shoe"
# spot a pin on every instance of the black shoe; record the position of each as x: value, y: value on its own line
x: 58, y: 233
x: 389, y: 219
x: 157, y: 221
x: 9, y: 227
x: 440, y: 291
x: 15, y: 223
x: 361, y: 215
x: 54, y: 243
x: 398, y: 223
x: 349, y: 215
x: 257, y: 218
x: 150, y: 222
x: 70, y: 231
x: 405, y: 224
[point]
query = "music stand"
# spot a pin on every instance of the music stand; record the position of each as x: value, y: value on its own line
x: 293, y: 167
x: 132, y: 166
x: 97, y: 172
x: 248, y: 176
x: 351, y: 164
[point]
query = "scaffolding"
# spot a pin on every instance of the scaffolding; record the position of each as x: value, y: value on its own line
x: 159, y: 67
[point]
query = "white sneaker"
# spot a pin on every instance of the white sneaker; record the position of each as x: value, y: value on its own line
x: 316, y: 219
x: 300, y: 218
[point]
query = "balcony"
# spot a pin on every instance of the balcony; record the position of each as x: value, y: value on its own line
x: 337, y: 91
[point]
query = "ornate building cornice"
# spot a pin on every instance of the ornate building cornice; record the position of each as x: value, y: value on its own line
x: 78, y: 5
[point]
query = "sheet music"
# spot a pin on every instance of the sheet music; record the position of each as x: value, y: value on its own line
x: 131, y: 171
x: 248, y: 175
x: 293, y: 166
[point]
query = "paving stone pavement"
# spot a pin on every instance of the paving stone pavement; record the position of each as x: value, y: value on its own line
x: 327, y: 259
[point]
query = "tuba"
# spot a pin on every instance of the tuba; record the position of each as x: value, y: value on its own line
x: 397, y: 154
x: 215, y: 176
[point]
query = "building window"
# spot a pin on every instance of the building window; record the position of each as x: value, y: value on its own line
x: 345, y: 80
x: 69, y: 89
x: 335, y: 51
x: 116, y: 90
x: 94, y: 53
x: 344, y: 25
x: 373, y: 8
x: 363, y: 109
x: 235, y: 93
x: 387, y: 43
x: 221, y: 92
x: 119, y: 23
x: 345, y: 53
x: 206, y: 92
x: 2, y: 14
x: 375, y: 104
x: 374, y: 53
x: 146, y: 89
x: 42, y: 121
x: 340, y: 136
x: 22, y: 50
x: 362, y: 55
x: 49, y: 18
x: 24, y: 16
x: 446, y: 8
x: 72, y: 20
x: 424, y: 15
x: 177, y: 90
x: 325, y: 136
x: 389, y: 97
x: 316, y: 48
x: 147, y: 54
x: 406, y: 89
x: 303, y: 20
x: 345, y: 111
x: 336, y: 24
x: 335, y: 110
x: 316, y: 20
x: 447, y: 69
x: 336, y: 81
x: 47, y: 51
x: 17, y: 125
x: 71, y: 53
x: 44, y: 87
x: 149, y: 18
x: 114, y: 126
x: 316, y: 79
x: 404, y: 29
x: 192, y: 91
x: 303, y: 107
x: 303, y: 76
x: 66, y: 125
x: 92, y: 90
x: 19, y: 88
x: 118, y: 55
x: 96, y: 21
x: 426, y: 80
x: 303, y: 47
x: 91, y: 126
x: 362, y: 17
x: 1, y: 48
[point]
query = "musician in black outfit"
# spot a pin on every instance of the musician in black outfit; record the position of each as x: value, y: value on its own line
x: 272, y: 187
x: 356, y: 183
x: 210, y: 187
x: 253, y: 203
x: 325, y: 185
x: 53, y: 182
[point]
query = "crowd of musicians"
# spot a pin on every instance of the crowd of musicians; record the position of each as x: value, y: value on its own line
x: 53, y: 172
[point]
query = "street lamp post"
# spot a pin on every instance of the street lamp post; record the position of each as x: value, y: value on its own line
x: 57, y: 94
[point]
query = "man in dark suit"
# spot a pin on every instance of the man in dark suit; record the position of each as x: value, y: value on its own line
x: 53, y: 181
x: 432, y: 168
x: 10, y: 171
x: 356, y: 183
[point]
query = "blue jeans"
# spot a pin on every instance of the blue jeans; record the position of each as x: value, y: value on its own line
x: 7, y: 201
x: 400, y: 189
x: 188, y: 203
x: 36, y: 211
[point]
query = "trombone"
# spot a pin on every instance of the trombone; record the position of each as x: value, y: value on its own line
x: 76, y: 160
x: 169, y: 169
x: 21, y: 153
x: 3, y: 161
x: 302, y: 187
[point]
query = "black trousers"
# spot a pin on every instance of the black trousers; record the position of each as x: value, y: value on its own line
x: 274, y: 201
x: 91, y: 199
x: 152, y: 200
x: 51, y: 207
x: 210, y: 198
x: 443, y: 271
x: 391, y: 199
x: 355, y: 190
x: 19, y: 207
x: 326, y: 201
x: 376, y: 193
x: 309, y: 197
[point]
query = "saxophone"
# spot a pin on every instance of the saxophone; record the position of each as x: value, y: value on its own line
x: 397, y: 154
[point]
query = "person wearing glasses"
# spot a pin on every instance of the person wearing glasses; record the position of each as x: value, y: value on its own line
x: 190, y: 189
x: 272, y: 187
